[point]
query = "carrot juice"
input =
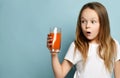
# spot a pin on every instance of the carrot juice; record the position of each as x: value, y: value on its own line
x: 56, y: 43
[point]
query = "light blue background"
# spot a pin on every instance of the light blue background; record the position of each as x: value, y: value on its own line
x: 24, y: 25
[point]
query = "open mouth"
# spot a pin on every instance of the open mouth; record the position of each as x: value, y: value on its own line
x: 88, y: 33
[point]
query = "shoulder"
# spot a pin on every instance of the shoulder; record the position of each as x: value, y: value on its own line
x: 118, y: 50
x: 72, y: 45
x: 72, y: 55
x: 116, y: 42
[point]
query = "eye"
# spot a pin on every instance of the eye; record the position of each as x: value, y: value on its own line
x: 83, y: 21
x: 93, y: 21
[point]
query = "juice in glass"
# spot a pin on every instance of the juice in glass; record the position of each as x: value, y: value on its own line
x: 56, y: 36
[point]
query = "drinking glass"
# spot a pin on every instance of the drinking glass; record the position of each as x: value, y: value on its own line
x: 55, y: 32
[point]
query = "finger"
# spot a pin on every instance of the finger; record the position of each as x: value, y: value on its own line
x: 49, y: 37
x: 49, y: 41
x: 49, y: 45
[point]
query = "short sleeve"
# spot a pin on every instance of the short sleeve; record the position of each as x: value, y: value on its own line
x: 71, y: 55
x: 118, y: 51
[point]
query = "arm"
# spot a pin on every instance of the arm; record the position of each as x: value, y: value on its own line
x: 117, y: 69
x: 60, y: 70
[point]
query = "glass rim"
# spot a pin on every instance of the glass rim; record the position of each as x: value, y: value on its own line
x: 55, y: 29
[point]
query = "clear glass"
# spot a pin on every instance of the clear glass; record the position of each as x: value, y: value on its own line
x: 55, y: 32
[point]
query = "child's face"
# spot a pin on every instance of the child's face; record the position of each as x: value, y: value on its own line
x: 90, y: 24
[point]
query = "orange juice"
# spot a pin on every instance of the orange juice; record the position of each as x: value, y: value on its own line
x: 56, y: 43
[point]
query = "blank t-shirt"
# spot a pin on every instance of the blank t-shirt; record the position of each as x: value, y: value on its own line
x: 94, y: 66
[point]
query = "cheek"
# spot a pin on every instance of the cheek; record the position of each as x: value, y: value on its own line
x: 83, y: 28
x: 97, y: 27
x: 97, y: 30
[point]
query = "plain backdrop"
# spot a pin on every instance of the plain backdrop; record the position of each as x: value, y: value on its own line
x: 24, y: 25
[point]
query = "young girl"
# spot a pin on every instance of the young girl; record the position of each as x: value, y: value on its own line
x: 94, y: 52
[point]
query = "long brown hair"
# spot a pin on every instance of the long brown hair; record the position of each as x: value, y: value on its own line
x: 107, y: 46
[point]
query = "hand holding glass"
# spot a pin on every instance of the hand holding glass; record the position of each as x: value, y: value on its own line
x: 55, y: 33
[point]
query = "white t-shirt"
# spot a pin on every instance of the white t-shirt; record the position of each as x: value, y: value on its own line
x: 94, y: 67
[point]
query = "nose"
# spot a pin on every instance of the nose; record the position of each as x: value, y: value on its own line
x: 87, y: 25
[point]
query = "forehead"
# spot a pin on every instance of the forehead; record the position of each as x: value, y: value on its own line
x: 89, y: 14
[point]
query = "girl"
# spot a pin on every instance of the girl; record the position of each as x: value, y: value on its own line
x: 94, y: 52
